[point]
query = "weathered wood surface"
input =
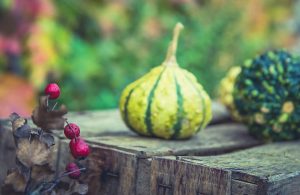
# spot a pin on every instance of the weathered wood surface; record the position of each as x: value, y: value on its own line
x: 109, y: 171
x: 107, y: 132
x: 120, y: 160
x: 268, y: 169
x: 216, y: 139
x: 171, y: 177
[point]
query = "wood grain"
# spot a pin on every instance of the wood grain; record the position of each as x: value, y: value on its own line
x: 120, y: 161
x: 133, y: 154
x: 169, y: 176
x: 138, y: 150
x: 243, y: 188
x: 109, y: 171
x: 268, y: 169
x: 216, y: 139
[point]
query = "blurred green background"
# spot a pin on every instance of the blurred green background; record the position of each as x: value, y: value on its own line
x: 94, y: 48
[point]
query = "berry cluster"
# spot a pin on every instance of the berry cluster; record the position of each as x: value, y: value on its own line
x: 78, y: 147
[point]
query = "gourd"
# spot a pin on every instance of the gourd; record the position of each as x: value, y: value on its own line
x: 225, y: 92
x: 267, y: 92
x: 167, y: 102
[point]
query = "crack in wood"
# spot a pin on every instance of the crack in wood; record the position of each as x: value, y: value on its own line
x: 165, y: 186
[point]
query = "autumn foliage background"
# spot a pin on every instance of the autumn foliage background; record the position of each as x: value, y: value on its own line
x: 94, y: 48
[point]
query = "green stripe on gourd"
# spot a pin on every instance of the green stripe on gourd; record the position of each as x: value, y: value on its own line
x: 150, y: 99
x: 165, y: 103
x: 180, y: 112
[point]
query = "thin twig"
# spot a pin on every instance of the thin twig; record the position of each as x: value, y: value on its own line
x: 57, y: 180
x: 54, y: 106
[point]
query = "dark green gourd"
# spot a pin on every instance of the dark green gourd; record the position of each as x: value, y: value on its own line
x: 267, y: 93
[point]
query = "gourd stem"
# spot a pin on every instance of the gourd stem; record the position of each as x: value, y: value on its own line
x: 171, y: 55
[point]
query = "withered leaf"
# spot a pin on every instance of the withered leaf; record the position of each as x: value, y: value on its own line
x: 19, y: 126
x: 25, y: 171
x: 42, y: 172
x: 35, y: 131
x: 23, y: 131
x: 48, y: 119
x: 48, y: 139
x: 32, y: 152
x: 16, y: 180
x: 13, y: 117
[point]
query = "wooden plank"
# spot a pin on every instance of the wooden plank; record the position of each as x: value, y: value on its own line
x: 138, y: 151
x: 243, y: 188
x: 106, y: 131
x: 143, y: 173
x: 129, y: 155
x: 216, y: 139
x: 268, y: 169
x: 109, y: 171
x: 169, y: 176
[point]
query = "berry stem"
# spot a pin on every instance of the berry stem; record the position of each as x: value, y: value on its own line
x: 70, y: 172
x: 47, y: 102
x: 54, y: 106
x: 56, y: 180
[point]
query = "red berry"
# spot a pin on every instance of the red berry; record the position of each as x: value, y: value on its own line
x: 79, y: 149
x: 72, y: 167
x: 71, y: 131
x: 52, y: 90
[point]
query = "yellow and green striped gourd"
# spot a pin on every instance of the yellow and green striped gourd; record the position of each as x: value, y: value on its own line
x: 167, y: 102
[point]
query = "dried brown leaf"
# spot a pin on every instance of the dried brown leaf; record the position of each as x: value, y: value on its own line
x: 16, y: 180
x: 42, y: 173
x: 19, y: 126
x: 25, y: 171
x: 17, y: 121
x: 48, y: 139
x: 32, y: 152
x: 48, y: 119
